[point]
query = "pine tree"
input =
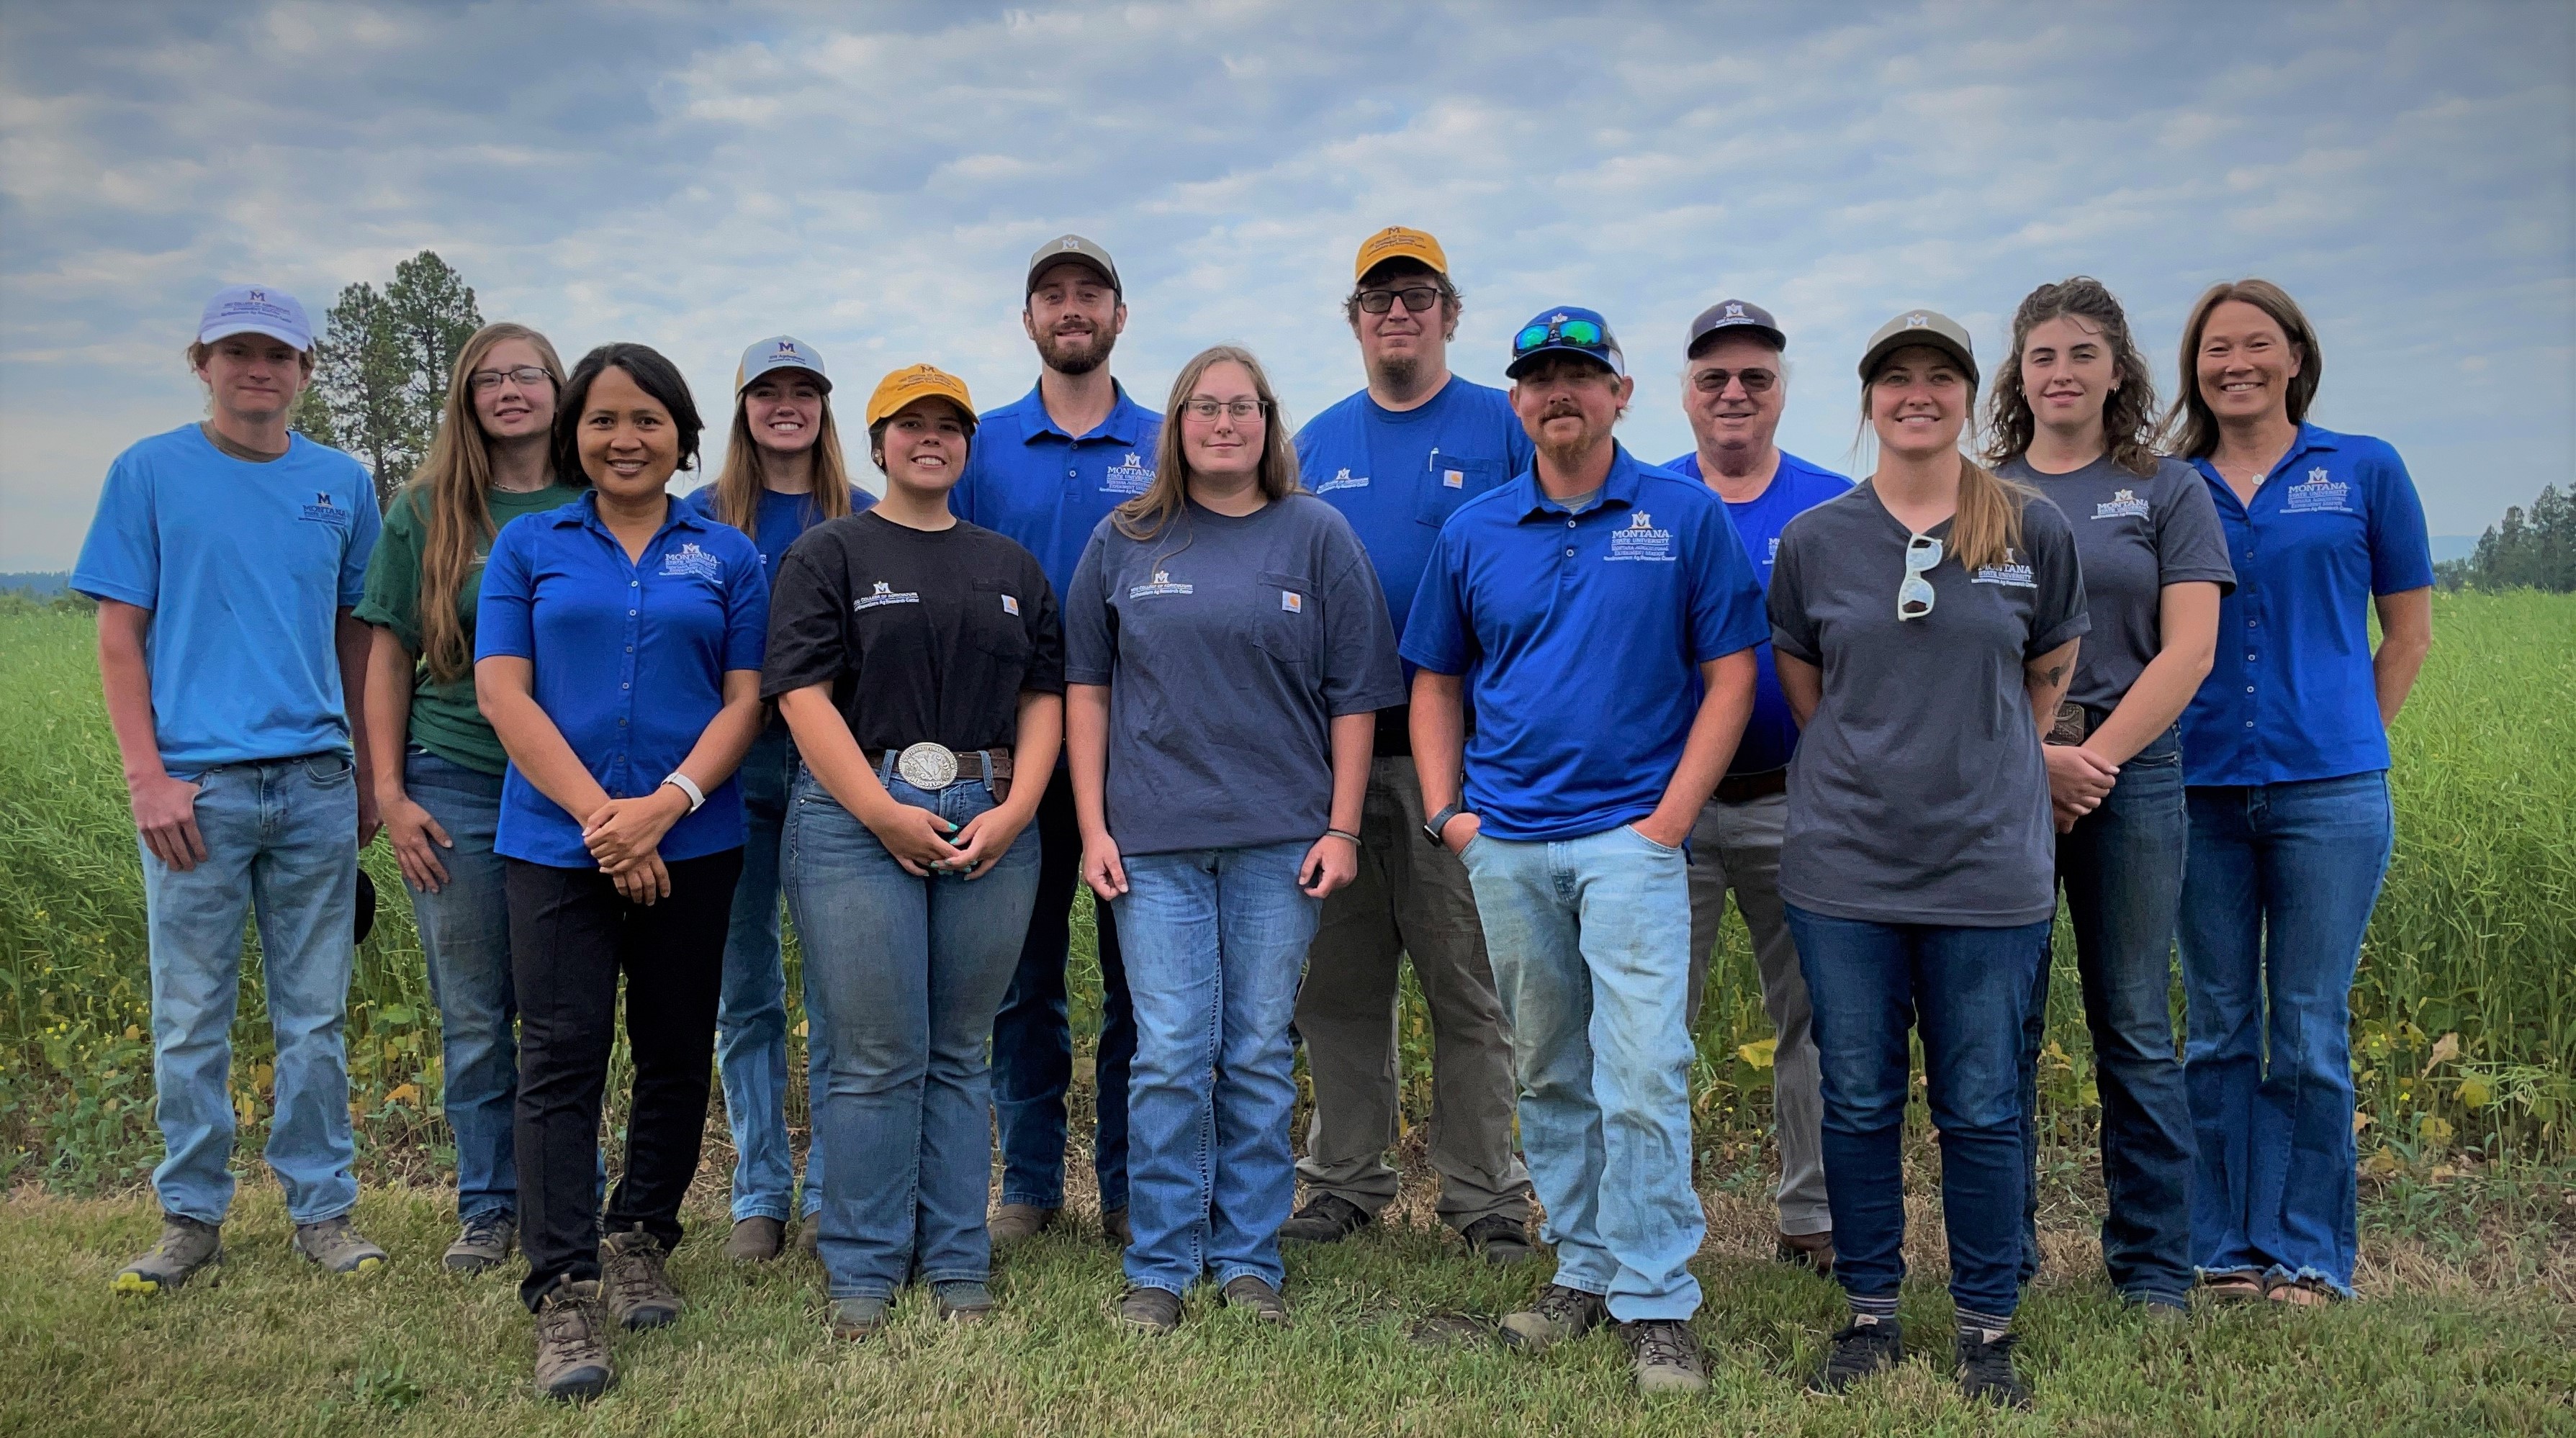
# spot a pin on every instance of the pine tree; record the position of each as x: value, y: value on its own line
x: 383, y: 366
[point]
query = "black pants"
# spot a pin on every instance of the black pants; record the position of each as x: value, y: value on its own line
x: 571, y: 935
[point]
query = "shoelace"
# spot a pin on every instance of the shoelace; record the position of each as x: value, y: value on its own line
x: 638, y: 1274
x: 1990, y: 1362
x: 1560, y: 1304
x: 1664, y: 1345
x: 483, y: 1227
x: 566, y: 1320
x: 1862, y: 1347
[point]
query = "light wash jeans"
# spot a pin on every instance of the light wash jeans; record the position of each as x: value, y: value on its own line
x: 1215, y: 941
x: 1590, y: 940
x: 751, y: 1014
x: 281, y: 841
x: 905, y: 974
x: 465, y: 936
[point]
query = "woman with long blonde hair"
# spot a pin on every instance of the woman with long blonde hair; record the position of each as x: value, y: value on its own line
x: 437, y: 764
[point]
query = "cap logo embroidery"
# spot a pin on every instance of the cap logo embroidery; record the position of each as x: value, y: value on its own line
x: 787, y: 347
x: 1917, y: 320
x: 1735, y: 312
x: 884, y: 595
x: 1068, y: 243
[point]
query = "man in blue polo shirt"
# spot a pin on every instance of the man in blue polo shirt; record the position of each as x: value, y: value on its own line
x: 227, y: 557
x: 1045, y: 469
x: 1608, y: 615
x: 1397, y: 459
x: 1734, y: 386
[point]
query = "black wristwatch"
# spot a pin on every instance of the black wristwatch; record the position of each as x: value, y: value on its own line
x: 1431, y: 827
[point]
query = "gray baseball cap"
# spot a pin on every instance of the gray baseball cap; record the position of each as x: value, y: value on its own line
x: 1920, y: 327
x: 1728, y: 316
x: 1079, y: 251
x: 776, y: 353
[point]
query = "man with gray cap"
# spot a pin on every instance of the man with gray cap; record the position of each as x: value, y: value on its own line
x: 227, y: 558
x: 1045, y: 469
x: 1734, y: 385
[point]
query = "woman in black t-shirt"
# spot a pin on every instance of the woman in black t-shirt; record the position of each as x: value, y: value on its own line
x: 919, y: 663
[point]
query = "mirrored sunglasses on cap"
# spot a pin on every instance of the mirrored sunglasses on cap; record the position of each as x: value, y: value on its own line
x: 1574, y: 332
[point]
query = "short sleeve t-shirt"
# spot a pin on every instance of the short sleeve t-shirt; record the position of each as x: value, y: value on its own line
x: 446, y: 719
x: 245, y: 567
x: 1229, y: 644
x: 1918, y: 794
x: 778, y: 520
x: 924, y: 636
x: 2135, y: 536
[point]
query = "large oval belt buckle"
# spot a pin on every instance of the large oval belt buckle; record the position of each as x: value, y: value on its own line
x: 927, y: 766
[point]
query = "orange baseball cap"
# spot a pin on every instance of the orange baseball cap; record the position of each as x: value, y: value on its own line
x: 921, y: 381
x: 1395, y: 242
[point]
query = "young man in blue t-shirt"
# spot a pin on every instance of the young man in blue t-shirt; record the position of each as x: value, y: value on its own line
x: 226, y: 558
x: 1397, y: 459
x: 1733, y: 388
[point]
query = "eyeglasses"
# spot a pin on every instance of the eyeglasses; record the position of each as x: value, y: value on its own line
x: 526, y: 376
x: 1755, y: 381
x: 1573, y: 332
x: 1914, y: 597
x: 1417, y: 298
x: 1205, y: 410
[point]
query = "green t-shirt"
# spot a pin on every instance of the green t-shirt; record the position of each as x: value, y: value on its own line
x: 444, y: 717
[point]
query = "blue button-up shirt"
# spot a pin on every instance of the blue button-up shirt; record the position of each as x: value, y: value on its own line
x: 2292, y: 696
x: 1028, y: 479
x: 630, y: 659
x: 1584, y: 634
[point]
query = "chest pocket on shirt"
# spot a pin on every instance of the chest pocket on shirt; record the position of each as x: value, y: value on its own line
x: 1288, y: 622
x: 992, y: 626
x: 1440, y: 498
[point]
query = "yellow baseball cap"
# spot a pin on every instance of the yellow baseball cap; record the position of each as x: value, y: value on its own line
x: 1395, y: 242
x: 921, y: 381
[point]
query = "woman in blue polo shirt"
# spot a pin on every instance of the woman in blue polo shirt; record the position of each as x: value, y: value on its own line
x: 2285, y: 752
x: 617, y: 654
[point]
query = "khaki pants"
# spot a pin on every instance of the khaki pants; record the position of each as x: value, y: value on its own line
x: 1410, y: 898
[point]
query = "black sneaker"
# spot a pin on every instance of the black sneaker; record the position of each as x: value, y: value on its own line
x: 1860, y: 1351
x: 1666, y: 1356
x: 1498, y: 1240
x: 1986, y: 1371
x: 1326, y: 1218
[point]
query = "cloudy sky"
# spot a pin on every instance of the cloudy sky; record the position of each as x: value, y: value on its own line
x: 872, y: 179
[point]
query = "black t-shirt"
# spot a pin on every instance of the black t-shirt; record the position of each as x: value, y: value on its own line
x: 922, y: 636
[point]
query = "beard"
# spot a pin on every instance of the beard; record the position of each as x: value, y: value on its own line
x: 1072, y: 354
x: 1398, y: 372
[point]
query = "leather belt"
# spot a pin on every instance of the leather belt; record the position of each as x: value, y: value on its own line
x: 1745, y: 788
x: 970, y: 762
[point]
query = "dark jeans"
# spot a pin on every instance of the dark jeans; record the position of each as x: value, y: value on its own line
x: 1962, y: 990
x: 2122, y: 867
x: 1033, y: 1039
x: 571, y: 936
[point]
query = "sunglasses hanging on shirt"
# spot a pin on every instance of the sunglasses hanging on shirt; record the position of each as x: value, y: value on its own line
x: 1914, y: 597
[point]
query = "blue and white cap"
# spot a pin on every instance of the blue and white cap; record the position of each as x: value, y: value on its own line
x: 255, y: 310
x: 776, y: 353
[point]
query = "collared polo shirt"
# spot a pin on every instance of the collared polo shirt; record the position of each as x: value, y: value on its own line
x: 630, y: 659
x: 1582, y: 635
x: 2291, y: 696
x: 1030, y: 481
x: 777, y: 520
x: 1771, y: 735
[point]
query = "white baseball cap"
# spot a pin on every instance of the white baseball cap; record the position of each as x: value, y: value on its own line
x: 255, y: 310
x: 776, y: 353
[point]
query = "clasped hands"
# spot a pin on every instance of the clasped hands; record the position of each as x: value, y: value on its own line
x: 625, y: 839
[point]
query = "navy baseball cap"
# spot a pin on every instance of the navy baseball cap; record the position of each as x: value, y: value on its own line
x: 1734, y: 316
x: 1567, y: 329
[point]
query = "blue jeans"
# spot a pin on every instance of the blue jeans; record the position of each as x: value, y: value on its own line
x: 465, y: 936
x: 281, y: 841
x: 1590, y: 941
x: 2122, y: 867
x: 751, y: 1013
x: 2282, y: 881
x: 1962, y: 990
x: 905, y: 972
x: 1216, y: 947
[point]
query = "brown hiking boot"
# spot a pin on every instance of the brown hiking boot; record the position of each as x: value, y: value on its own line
x: 337, y: 1247
x: 1813, y: 1251
x: 572, y: 1343
x: 1666, y: 1356
x: 1013, y: 1222
x: 1560, y: 1315
x: 640, y: 1294
x: 187, y: 1248
x: 756, y: 1239
x: 482, y: 1242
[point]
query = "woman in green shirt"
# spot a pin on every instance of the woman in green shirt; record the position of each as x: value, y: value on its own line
x: 437, y: 764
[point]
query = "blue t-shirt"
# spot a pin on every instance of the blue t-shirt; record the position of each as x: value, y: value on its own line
x: 2292, y: 696
x: 779, y: 519
x: 1398, y: 476
x: 630, y: 659
x: 1771, y: 735
x: 1583, y: 635
x: 1027, y: 479
x: 245, y: 567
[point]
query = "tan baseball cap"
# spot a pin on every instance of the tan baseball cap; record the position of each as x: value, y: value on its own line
x: 1920, y: 327
x: 1077, y: 250
x: 918, y: 382
x: 1395, y: 242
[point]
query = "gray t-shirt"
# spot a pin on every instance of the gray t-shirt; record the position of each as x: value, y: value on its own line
x: 1228, y: 645
x: 2135, y: 536
x: 1917, y: 794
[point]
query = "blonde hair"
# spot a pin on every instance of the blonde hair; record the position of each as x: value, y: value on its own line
x: 744, y: 476
x: 2191, y: 427
x: 450, y: 486
x: 1169, y: 495
x: 1985, y: 528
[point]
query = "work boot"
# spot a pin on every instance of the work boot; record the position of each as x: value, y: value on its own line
x: 1113, y: 1226
x: 963, y: 1300
x: 1859, y: 1351
x: 756, y: 1239
x: 572, y: 1343
x: 482, y: 1241
x: 1250, y: 1291
x: 1500, y: 1241
x: 640, y: 1294
x: 809, y: 1237
x: 336, y: 1246
x: 186, y: 1249
x: 1813, y: 1251
x: 1666, y: 1356
x: 1560, y: 1315
x: 1986, y: 1371
x: 1149, y: 1310
x: 1326, y: 1218
x: 1013, y: 1222
x: 856, y: 1320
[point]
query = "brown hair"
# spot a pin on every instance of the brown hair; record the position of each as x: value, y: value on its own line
x: 1985, y: 528
x: 738, y: 485
x: 2191, y: 428
x: 2128, y: 411
x: 449, y: 487
x: 1168, y: 496
x: 199, y: 349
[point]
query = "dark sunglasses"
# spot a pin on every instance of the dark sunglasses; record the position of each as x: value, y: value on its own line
x: 1755, y: 381
x: 1417, y: 298
x: 1573, y: 332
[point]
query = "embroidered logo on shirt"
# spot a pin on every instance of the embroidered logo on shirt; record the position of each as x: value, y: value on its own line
x: 1342, y: 479
x: 1130, y: 477
x: 2012, y: 573
x: 2123, y: 505
x: 1641, y: 540
x: 323, y: 511
x: 1292, y: 601
x: 885, y: 595
x: 1772, y: 556
x: 1010, y: 604
x: 690, y: 559
x: 2319, y: 493
x: 1162, y: 585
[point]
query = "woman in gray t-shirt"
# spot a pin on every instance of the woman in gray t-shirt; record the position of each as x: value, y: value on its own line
x: 1923, y: 624
x: 2074, y: 413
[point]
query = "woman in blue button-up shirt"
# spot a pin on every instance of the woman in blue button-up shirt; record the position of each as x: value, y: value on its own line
x: 2285, y: 755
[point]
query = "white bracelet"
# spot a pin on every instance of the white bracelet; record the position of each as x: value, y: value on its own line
x: 687, y: 786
